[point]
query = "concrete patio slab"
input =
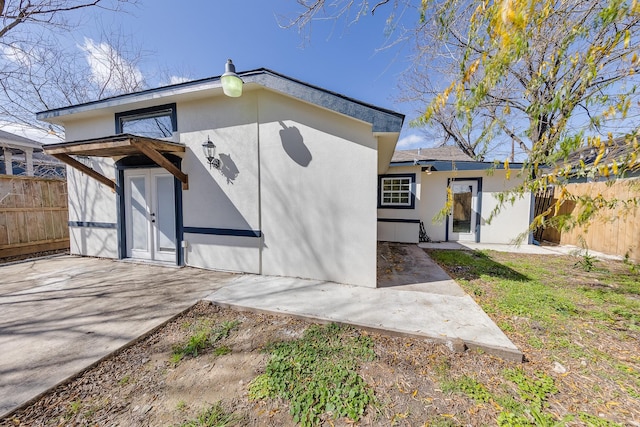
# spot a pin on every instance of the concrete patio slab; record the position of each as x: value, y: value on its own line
x: 60, y: 315
x: 521, y: 249
x: 423, y: 302
x: 472, y: 246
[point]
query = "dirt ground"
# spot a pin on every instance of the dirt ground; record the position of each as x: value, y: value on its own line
x: 140, y: 386
x: 6, y: 260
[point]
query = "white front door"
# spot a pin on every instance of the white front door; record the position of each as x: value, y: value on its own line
x: 150, y: 219
x: 463, y: 217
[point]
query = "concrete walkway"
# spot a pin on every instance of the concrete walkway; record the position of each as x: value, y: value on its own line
x: 521, y: 249
x: 421, y: 300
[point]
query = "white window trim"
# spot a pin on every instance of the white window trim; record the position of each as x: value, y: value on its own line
x: 404, y: 181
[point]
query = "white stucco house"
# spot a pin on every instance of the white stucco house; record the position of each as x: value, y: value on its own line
x: 16, y: 147
x: 414, y: 190
x: 291, y: 189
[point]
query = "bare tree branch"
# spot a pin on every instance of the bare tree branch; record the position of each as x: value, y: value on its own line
x: 38, y: 72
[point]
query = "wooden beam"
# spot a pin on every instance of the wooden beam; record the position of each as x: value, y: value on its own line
x: 86, y: 169
x: 161, y: 145
x: 82, y: 148
x: 154, y: 155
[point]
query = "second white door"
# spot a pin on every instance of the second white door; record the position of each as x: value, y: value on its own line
x: 150, y: 218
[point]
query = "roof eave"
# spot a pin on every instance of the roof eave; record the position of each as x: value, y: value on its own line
x: 381, y: 120
x: 448, y: 165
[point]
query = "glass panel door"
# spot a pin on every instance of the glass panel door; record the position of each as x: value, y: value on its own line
x: 165, y: 217
x: 140, y: 240
x: 463, y: 216
x: 150, y: 217
x: 462, y: 197
x: 137, y: 217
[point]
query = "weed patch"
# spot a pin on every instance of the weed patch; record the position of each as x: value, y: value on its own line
x: 535, y: 390
x: 587, y: 262
x: 214, y: 416
x: 593, y: 421
x: 318, y: 374
x: 468, y: 386
x: 202, y: 339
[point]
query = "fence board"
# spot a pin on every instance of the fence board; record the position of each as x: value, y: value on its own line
x: 612, y: 232
x: 4, y: 235
x: 33, y: 215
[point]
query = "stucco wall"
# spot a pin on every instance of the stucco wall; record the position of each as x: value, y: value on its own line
x: 503, y: 228
x: 94, y: 127
x: 302, y: 179
x: 398, y: 225
x: 225, y: 198
x: 318, y: 193
x: 93, y: 207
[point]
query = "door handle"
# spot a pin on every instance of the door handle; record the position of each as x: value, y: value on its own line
x: 153, y: 217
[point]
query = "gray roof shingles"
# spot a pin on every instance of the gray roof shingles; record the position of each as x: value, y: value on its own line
x: 446, y: 153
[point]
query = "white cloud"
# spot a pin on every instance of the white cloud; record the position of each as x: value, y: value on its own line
x: 411, y: 141
x: 174, y: 80
x: 109, y: 69
x: 16, y: 55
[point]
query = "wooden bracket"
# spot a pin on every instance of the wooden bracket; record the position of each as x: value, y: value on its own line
x: 155, y: 155
x: 86, y: 169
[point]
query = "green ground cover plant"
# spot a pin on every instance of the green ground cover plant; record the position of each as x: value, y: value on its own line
x: 318, y: 374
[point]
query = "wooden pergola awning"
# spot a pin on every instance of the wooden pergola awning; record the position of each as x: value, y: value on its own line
x: 118, y: 146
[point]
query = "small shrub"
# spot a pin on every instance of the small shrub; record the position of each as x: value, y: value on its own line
x: 587, y: 263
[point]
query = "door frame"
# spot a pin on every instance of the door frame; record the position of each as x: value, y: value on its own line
x: 478, y: 206
x: 143, y: 162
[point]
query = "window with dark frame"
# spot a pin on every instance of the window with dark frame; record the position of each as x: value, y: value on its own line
x: 396, y: 191
x: 154, y: 122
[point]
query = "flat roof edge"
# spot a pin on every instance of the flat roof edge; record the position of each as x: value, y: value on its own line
x: 381, y: 119
x: 460, y: 164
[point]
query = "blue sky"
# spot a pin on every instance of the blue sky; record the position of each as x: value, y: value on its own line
x: 195, y: 39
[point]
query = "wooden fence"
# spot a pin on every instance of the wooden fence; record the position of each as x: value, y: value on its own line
x: 33, y: 215
x: 612, y: 232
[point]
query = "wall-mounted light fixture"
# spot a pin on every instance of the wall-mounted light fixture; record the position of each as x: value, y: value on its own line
x: 231, y: 82
x: 209, y: 149
x: 429, y: 169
